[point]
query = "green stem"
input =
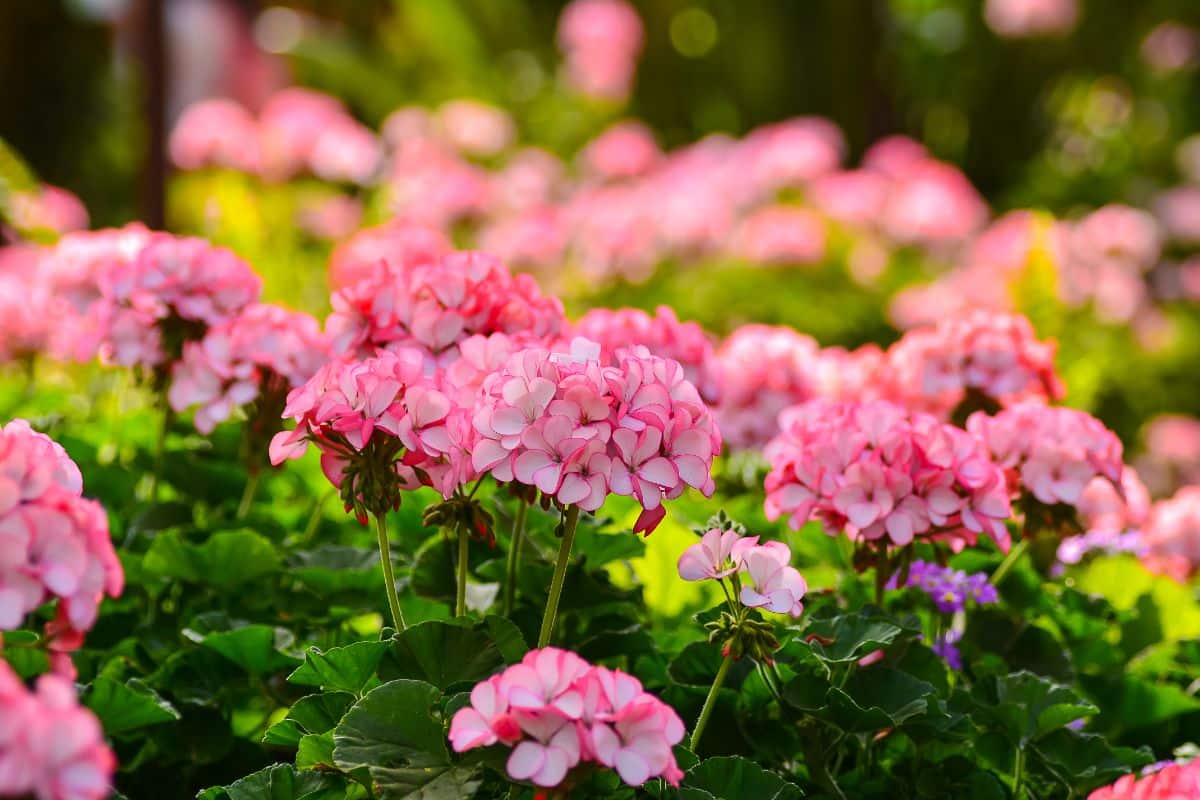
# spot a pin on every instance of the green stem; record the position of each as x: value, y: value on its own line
x: 1010, y: 561
x: 460, y: 600
x: 514, y: 557
x: 160, y: 450
x: 314, y: 519
x: 550, y: 616
x: 248, y: 495
x: 710, y: 702
x: 881, y: 573
x: 389, y: 579
x: 1019, y: 774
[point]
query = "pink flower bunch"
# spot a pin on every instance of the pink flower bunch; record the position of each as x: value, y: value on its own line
x: 330, y: 217
x: 791, y: 153
x: 763, y: 370
x: 883, y: 473
x: 474, y: 128
x: 625, y: 150
x: 216, y: 133
x: 48, y: 208
x: 1017, y: 19
x: 780, y: 234
x: 264, y: 349
x: 171, y: 291
x: 996, y: 355
x: 556, y: 711
x: 1051, y: 452
x: 397, y: 245
x: 535, y: 238
x: 53, y: 542
x: 435, y: 305
x: 27, y: 316
x: 1172, y: 782
x: 662, y: 334
x: 301, y: 129
x: 771, y: 583
x: 601, y: 40
x: 76, y: 269
x: 1171, y: 457
x: 382, y: 426
x: 579, y: 429
x: 427, y: 183
x: 1172, y: 535
x: 50, y: 747
x: 1114, y: 507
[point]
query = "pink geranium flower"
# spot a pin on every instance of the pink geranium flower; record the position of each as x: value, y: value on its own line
x: 718, y: 554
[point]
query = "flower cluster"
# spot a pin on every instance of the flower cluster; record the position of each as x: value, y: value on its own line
x: 298, y: 130
x: 772, y: 583
x: 1172, y: 535
x: 763, y: 370
x: 579, y: 429
x: 601, y: 40
x: 264, y: 350
x: 398, y: 246
x: 382, y: 426
x: 435, y: 305
x: 1171, y: 456
x: 171, y: 291
x: 556, y: 711
x: 50, y: 747
x: 1051, y: 452
x: 994, y: 355
x: 884, y: 474
x: 950, y: 589
x: 53, y: 542
x: 1112, y: 517
x: 48, y: 208
x: 662, y: 334
x: 1172, y: 782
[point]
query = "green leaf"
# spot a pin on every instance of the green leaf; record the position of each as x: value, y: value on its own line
x: 285, y: 733
x: 878, y: 698
x: 315, y: 751
x: 319, y: 713
x: 226, y: 560
x: 1134, y: 703
x: 393, y: 733
x: 123, y: 707
x: 347, y: 668
x: 1085, y: 760
x: 1025, y: 707
x: 698, y: 663
x: 334, y: 568
x: 735, y: 778
x: 508, y: 638
x: 258, y: 649
x: 846, y: 637
x: 433, y: 570
x: 443, y: 654
x: 280, y: 782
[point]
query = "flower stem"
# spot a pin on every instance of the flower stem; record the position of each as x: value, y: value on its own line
x: 710, y: 701
x: 1019, y: 773
x: 314, y: 519
x: 248, y: 495
x: 550, y: 617
x: 389, y: 579
x: 514, y: 556
x: 460, y: 600
x: 160, y: 450
x: 1009, y: 561
x: 881, y: 572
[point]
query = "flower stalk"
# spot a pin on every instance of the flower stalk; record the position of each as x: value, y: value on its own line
x: 389, y: 579
x: 710, y: 701
x: 460, y: 599
x: 550, y: 617
x: 514, y: 556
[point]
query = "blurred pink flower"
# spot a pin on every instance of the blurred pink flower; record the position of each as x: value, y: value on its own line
x: 48, y: 208
x: 1027, y: 18
x: 475, y: 128
x: 216, y: 133
x: 601, y: 40
x: 624, y: 150
x: 780, y: 234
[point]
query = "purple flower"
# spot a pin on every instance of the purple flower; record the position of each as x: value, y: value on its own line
x: 946, y: 647
x: 949, y: 588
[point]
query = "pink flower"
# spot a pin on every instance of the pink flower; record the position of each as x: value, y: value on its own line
x: 578, y: 429
x: 47, y: 208
x: 435, y: 305
x: 718, y: 554
x: 396, y: 245
x: 50, y: 746
x: 1172, y: 535
x: 54, y: 544
x: 264, y: 349
x: 662, y: 334
x: 1027, y: 18
x: 776, y: 586
x: 556, y: 711
x: 1172, y: 782
x: 763, y: 370
x: 216, y: 133
x: 933, y: 202
x: 997, y: 355
x: 781, y: 234
x: 880, y: 472
x: 624, y: 150
x: 475, y: 128
x: 601, y: 40
x: 1055, y: 452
